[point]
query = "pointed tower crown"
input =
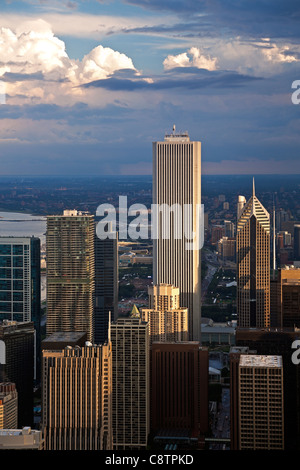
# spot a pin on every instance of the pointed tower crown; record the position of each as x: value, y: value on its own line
x: 134, y: 311
x: 254, y: 208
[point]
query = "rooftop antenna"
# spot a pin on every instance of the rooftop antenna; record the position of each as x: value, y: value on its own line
x: 253, y: 191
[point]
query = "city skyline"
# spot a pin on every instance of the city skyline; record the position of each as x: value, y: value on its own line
x: 152, y: 303
x: 105, y: 79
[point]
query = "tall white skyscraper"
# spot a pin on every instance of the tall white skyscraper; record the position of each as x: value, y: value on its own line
x: 177, y: 184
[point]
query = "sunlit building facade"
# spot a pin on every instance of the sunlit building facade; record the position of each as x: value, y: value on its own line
x: 176, y: 183
x: 253, y: 265
x: 70, y: 273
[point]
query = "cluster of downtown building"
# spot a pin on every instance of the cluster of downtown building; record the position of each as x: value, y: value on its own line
x: 130, y: 382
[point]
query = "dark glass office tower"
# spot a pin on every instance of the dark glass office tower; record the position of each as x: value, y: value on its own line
x: 17, y: 346
x: 297, y: 243
x: 106, y: 285
x: 20, y: 283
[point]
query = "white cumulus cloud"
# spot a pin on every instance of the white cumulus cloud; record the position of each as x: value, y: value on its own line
x: 36, y: 64
x: 194, y: 57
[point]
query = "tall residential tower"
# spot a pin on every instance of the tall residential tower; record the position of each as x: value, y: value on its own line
x: 130, y: 383
x: 70, y: 273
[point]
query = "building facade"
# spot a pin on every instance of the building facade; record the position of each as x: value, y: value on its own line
x: 260, y: 402
x: 106, y: 285
x: 131, y: 383
x: 76, y: 398
x: 20, y: 284
x: 70, y: 273
x: 253, y: 265
x: 278, y: 342
x: 167, y: 320
x: 8, y: 406
x: 227, y: 249
x: 17, y: 350
x: 179, y: 395
x: 297, y: 242
x: 176, y: 185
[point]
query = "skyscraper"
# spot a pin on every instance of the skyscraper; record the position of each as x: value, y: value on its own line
x: 20, y: 283
x: 286, y: 297
x: 229, y: 229
x: 258, y: 383
x: 20, y: 279
x: 167, y: 320
x: 179, y: 395
x: 296, y: 242
x: 8, y: 406
x: 278, y: 342
x: 76, y: 385
x: 240, y: 205
x: 176, y: 185
x: 130, y: 393
x: 106, y: 285
x: 70, y: 273
x: 253, y: 265
x: 17, y: 347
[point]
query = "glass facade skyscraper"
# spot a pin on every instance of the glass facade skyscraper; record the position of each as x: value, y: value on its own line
x: 20, y: 283
x: 20, y: 279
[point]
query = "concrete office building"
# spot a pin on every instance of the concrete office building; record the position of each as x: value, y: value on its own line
x: 131, y: 383
x: 76, y: 398
x: 167, y: 320
x: 253, y: 265
x: 70, y: 273
x: 278, y: 342
x: 260, y: 409
x: 176, y: 183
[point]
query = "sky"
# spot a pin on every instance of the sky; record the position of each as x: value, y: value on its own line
x: 87, y: 86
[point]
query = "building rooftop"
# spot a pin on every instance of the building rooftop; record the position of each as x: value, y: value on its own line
x: 177, y: 136
x: 65, y: 336
x: 253, y: 360
x: 18, y: 432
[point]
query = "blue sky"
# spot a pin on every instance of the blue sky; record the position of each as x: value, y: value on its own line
x: 89, y: 85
